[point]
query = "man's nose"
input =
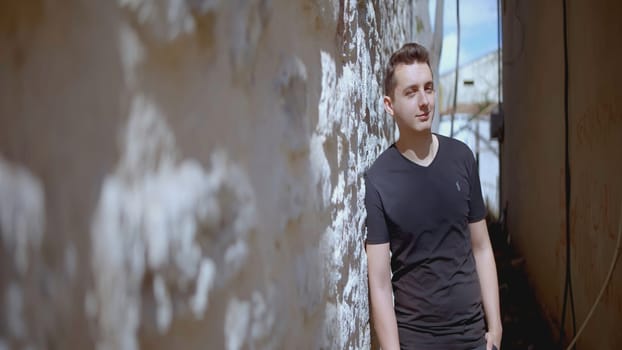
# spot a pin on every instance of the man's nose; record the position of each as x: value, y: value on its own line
x: 423, y: 100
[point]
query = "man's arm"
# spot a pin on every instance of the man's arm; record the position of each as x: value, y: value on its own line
x: 381, y: 294
x: 487, y: 271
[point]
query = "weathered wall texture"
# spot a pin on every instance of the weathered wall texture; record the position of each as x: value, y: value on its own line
x: 187, y: 174
x: 533, y: 152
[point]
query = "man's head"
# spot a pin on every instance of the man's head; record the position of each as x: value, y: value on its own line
x: 409, y: 88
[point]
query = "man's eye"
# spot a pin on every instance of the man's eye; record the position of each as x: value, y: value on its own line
x: 430, y: 89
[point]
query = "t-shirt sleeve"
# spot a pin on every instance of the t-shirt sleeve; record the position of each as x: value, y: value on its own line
x: 377, y: 232
x: 477, y: 208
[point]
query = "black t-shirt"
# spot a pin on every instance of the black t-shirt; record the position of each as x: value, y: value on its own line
x: 424, y: 212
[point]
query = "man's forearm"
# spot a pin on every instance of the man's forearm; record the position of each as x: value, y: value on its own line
x: 487, y: 271
x: 383, y: 315
x: 381, y: 295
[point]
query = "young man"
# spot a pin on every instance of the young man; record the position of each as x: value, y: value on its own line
x: 431, y: 265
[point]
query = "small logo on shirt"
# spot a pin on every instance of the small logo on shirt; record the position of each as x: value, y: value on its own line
x: 458, y: 187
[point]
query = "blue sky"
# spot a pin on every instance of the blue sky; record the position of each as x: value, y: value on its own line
x: 478, y: 30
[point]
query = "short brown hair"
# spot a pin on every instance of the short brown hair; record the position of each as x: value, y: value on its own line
x: 407, y: 54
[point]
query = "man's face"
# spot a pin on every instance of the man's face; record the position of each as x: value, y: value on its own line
x: 412, y: 104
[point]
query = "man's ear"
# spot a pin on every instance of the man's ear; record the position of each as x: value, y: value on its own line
x: 388, y: 105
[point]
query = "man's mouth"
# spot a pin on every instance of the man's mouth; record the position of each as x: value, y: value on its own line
x: 424, y: 116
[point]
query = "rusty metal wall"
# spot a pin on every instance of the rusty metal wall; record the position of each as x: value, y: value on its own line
x: 533, y: 155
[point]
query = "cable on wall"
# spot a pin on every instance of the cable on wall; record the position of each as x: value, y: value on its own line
x: 568, y: 294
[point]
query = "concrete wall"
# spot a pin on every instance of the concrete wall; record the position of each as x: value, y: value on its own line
x: 187, y: 174
x: 533, y: 155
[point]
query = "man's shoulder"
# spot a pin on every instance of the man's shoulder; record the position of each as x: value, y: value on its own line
x: 383, y: 163
x: 456, y: 147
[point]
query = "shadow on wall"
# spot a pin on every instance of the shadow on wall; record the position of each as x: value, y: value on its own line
x: 524, y: 326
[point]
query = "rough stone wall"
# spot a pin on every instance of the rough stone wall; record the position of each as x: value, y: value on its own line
x: 533, y: 157
x: 187, y: 173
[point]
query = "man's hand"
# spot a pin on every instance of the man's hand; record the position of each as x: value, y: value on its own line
x: 493, y: 340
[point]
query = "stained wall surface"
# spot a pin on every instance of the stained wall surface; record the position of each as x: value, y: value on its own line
x: 188, y: 174
x: 533, y: 173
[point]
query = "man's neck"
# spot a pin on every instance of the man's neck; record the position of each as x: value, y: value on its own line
x: 419, y: 147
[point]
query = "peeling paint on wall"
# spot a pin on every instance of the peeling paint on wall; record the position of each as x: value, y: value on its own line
x: 14, y: 304
x: 21, y: 225
x: 22, y: 213
x: 246, y: 30
x: 160, y: 225
x: 168, y: 19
